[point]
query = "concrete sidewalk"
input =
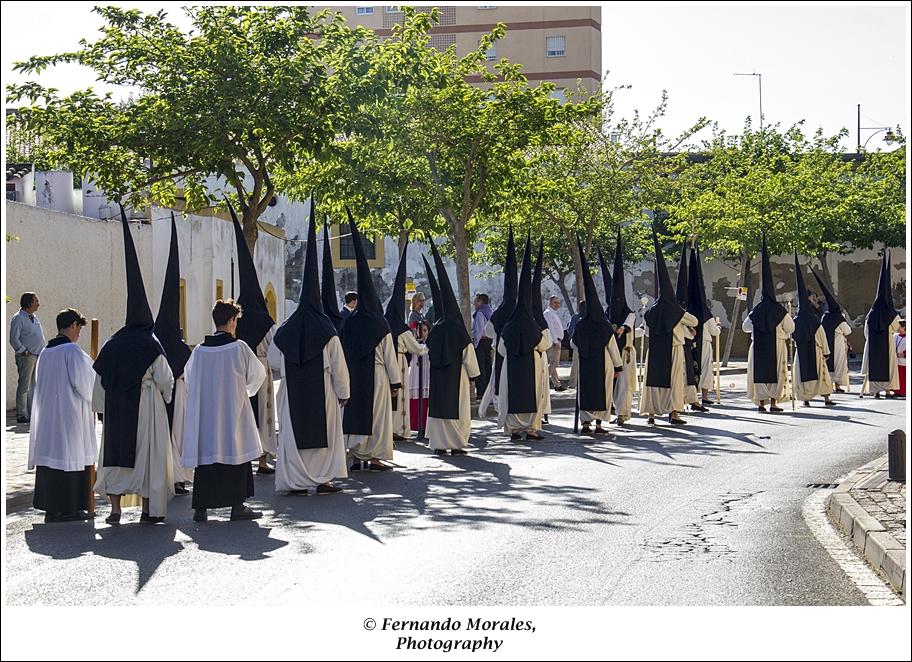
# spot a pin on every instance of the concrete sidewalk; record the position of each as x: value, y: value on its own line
x: 871, y: 510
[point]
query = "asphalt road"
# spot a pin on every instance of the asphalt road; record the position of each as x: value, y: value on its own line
x: 706, y: 514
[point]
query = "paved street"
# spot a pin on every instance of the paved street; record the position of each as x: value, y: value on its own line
x: 710, y: 513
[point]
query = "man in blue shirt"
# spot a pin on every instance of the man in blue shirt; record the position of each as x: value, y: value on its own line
x: 27, y: 340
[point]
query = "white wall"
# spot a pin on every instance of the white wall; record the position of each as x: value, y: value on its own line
x: 75, y: 261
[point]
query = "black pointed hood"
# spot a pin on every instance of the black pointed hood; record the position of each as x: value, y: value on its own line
x: 448, y: 337
x: 255, y: 321
x: 619, y: 308
x: 806, y: 325
x: 167, y: 322
x: 432, y: 283
x: 328, y: 284
x: 395, y: 308
x: 665, y: 313
x: 593, y: 331
x: 521, y: 333
x: 882, y: 311
x: 768, y: 313
x: 139, y: 314
x: 681, y: 286
x: 305, y: 333
x: 697, y: 304
x: 606, y: 281
x: 538, y: 306
x: 366, y: 327
x: 833, y: 310
x: 503, y: 312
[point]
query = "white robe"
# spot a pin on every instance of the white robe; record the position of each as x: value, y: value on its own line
x: 379, y: 444
x: 219, y: 426
x: 777, y: 390
x: 544, y: 381
x: 840, y: 372
x: 307, y: 468
x: 823, y: 385
x: 266, y: 403
x: 876, y: 387
x: 181, y: 474
x: 622, y: 396
x: 612, y: 360
x: 450, y: 433
x: 658, y: 400
x: 515, y: 423
x: 151, y: 475
x: 62, y: 431
x: 402, y: 421
x: 711, y: 329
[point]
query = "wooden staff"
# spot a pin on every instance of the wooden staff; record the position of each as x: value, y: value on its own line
x: 791, y: 367
x: 94, y: 353
x: 718, y: 372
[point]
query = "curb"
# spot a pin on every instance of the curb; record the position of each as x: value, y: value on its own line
x: 880, y: 549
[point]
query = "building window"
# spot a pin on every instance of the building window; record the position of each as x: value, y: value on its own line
x: 442, y: 41
x: 219, y: 289
x: 347, y: 245
x: 394, y: 10
x: 556, y: 46
x: 491, y: 53
x: 364, y: 11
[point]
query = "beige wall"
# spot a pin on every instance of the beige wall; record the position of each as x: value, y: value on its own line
x: 525, y: 40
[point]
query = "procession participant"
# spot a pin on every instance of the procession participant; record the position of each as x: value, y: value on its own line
x: 550, y: 357
x: 453, y: 368
x: 62, y: 443
x: 133, y: 384
x: 307, y: 355
x: 770, y: 327
x: 708, y: 328
x: 220, y: 433
x: 373, y: 370
x: 837, y: 330
x: 168, y: 331
x: 812, y: 378
x: 624, y: 321
x: 521, y: 344
x: 691, y: 365
x: 879, y: 364
x: 595, y: 344
x: 667, y: 325
x: 256, y: 328
x: 899, y: 341
x: 498, y: 319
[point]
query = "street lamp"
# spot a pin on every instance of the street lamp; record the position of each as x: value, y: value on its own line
x: 889, y: 138
x: 760, y: 89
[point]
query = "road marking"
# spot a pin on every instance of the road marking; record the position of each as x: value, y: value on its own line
x: 875, y: 589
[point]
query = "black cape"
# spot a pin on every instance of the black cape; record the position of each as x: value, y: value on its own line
x: 619, y: 310
x: 521, y: 334
x: 328, y: 284
x: 765, y: 317
x: 806, y: 325
x: 831, y: 319
x: 698, y: 306
x: 503, y: 312
x: 362, y: 332
x: 446, y: 343
x: 302, y: 338
x: 661, y: 318
x: 255, y: 321
x: 682, y: 294
x: 123, y: 361
x: 395, y: 313
x: 591, y: 335
x: 878, y: 322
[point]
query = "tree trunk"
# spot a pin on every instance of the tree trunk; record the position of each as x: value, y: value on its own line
x: 562, y: 286
x: 461, y: 243
x: 577, y: 264
x: 249, y: 224
x: 825, y: 272
x: 743, y: 277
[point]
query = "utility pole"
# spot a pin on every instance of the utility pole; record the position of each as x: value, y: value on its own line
x: 760, y: 90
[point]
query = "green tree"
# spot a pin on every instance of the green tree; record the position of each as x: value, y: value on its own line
x: 248, y: 94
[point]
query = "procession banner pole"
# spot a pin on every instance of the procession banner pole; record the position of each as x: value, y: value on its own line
x: 93, y: 348
x: 718, y: 373
x: 791, y: 366
x: 420, y: 398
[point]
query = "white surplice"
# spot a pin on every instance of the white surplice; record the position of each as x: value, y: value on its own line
x: 266, y: 403
x: 407, y: 343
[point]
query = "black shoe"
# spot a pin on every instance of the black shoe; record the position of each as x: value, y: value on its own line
x: 762, y: 409
x: 113, y: 518
x: 50, y: 518
x: 265, y: 471
x: 829, y: 403
x: 560, y: 388
x: 145, y: 518
x: 651, y: 421
x: 399, y: 437
x: 439, y: 452
x: 545, y: 420
x: 516, y: 436
x: 180, y: 490
x: 356, y: 465
x: 328, y: 489
x: 378, y: 466
x: 676, y: 421
x: 700, y: 408
x: 777, y: 410
x: 534, y: 436
x: 806, y: 404
x: 707, y: 402
x: 22, y: 419
x: 244, y: 513
x: 459, y: 451
x: 200, y: 515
